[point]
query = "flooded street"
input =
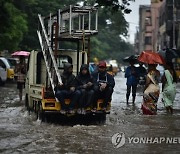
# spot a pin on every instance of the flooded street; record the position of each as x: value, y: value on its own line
x: 22, y: 133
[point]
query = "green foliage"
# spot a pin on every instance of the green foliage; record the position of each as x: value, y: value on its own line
x: 113, y: 5
x: 20, y: 22
x: 13, y: 26
x: 112, y: 24
x: 32, y: 9
x: 109, y: 46
x: 108, y: 43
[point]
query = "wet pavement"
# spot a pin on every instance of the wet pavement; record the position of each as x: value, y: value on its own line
x: 22, y: 133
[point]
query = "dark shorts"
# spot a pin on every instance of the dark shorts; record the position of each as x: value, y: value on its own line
x: 20, y: 85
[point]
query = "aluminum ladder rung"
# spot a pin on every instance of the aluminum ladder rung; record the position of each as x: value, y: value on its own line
x: 50, y: 52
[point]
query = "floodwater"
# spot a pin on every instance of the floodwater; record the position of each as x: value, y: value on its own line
x: 20, y: 132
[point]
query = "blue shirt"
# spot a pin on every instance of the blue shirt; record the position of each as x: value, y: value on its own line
x: 132, y: 75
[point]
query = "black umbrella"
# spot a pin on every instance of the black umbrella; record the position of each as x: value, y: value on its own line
x: 169, y: 54
x: 132, y: 58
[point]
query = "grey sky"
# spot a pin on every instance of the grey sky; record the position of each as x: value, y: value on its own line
x: 133, y: 17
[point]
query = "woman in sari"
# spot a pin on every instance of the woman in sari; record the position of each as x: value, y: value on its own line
x: 169, y: 87
x: 151, y: 91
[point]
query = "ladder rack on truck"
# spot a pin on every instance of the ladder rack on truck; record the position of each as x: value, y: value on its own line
x: 74, y: 24
x: 61, y: 26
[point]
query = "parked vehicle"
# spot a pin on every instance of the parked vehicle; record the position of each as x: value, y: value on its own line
x: 13, y: 62
x: 7, y: 65
x: 115, y: 68
x: 3, y: 73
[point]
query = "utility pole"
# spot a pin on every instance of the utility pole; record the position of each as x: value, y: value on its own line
x: 174, y: 24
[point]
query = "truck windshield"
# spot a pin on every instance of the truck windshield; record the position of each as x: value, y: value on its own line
x: 61, y: 60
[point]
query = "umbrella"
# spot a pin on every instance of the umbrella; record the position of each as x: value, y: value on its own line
x: 168, y: 54
x: 132, y: 58
x: 162, y: 53
x: 21, y: 53
x: 150, y: 57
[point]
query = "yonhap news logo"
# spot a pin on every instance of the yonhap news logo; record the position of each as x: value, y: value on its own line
x: 118, y: 140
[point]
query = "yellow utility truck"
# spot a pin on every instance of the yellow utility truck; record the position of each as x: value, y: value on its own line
x: 64, y: 37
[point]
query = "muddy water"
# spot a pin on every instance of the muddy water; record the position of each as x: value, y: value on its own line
x: 22, y: 133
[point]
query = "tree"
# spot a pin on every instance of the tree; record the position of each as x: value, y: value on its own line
x: 13, y: 26
x: 113, y: 5
x: 20, y: 22
x: 109, y: 46
x: 34, y: 7
x: 108, y: 43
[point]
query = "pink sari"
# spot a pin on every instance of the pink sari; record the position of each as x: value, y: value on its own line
x: 151, y: 95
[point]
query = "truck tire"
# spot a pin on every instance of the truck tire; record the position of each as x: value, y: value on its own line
x: 1, y: 82
x: 27, y: 103
x: 40, y: 113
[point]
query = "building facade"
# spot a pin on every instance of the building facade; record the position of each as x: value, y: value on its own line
x: 159, y: 25
x: 145, y: 42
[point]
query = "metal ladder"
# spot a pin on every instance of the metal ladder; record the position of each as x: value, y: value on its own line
x: 48, y: 55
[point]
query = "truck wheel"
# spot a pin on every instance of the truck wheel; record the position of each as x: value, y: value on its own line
x: 40, y: 113
x: 27, y: 103
x: 102, y: 118
x: 1, y: 82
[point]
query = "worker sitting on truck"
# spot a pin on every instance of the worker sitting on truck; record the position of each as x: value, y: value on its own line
x: 85, y: 85
x: 67, y: 90
x: 103, y: 86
